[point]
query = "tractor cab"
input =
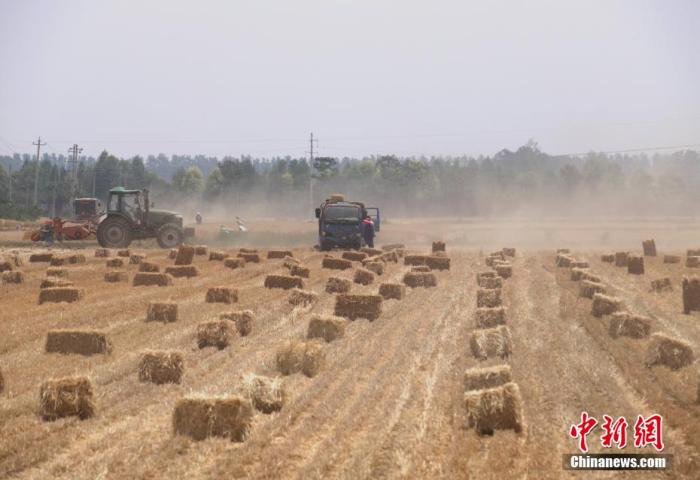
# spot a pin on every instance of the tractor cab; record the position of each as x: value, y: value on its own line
x: 132, y: 204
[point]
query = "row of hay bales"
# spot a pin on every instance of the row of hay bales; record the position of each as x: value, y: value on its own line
x: 491, y: 398
x: 661, y: 349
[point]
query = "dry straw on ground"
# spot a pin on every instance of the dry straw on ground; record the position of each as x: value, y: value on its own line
x: 412, y: 260
x: 161, y: 312
x: 66, y: 397
x: 60, y: 294
x: 185, y: 255
x: 375, y: 267
x: 438, y: 246
x: 217, y: 256
x: 200, y: 417
x: 152, y: 279
x: 487, y: 377
x: 498, y: 408
x: 625, y: 324
x: 40, y: 257
x: 608, y: 258
x: 234, y: 263
x: 136, y: 259
x: 421, y: 269
x: 325, y: 327
x: 649, y: 247
x: 214, y: 333
x: 672, y: 259
x: 226, y: 295
x: 267, y: 394
x: 249, y: 257
x: 149, y: 267
x: 488, y: 297
x: 242, y: 319
x: 486, y: 317
x: 621, y: 259
x: 635, y: 265
x: 491, y: 343
x: 336, y: 263
x: 394, y: 291
x: 116, y: 276
x: 420, y: 279
x: 605, y: 305
x: 161, y: 367
x: 285, y: 282
x: 669, y: 352
x: 12, y: 277
x: 279, y: 254
x: 54, y: 282
x: 299, y: 271
x: 182, y: 271
x: 363, y: 276
x: 354, y: 256
x: 691, y: 294
x: 661, y: 285
x: 588, y: 288
x: 338, y: 285
x: 438, y: 263
x: 114, y: 263
x: 80, y: 342
x: 300, y: 356
x: 358, y: 306
x: 299, y: 297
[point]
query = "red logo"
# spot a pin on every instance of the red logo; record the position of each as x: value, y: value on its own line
x: 582, y: 430
x: 647, y: 431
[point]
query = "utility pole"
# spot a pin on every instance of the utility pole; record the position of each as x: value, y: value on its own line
x: 36, y: 173
x: 74, y: 151
x: 311, y: 169
x: 10, y: 178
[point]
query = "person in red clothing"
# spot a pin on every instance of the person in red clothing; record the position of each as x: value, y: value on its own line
x: 368, y: 231
x: 58, y: 228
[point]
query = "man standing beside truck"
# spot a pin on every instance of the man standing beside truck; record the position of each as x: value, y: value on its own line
x: 368, y: 231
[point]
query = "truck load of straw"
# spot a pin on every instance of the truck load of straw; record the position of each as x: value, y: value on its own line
x: 299, y: 271
x: 242, y: 319
x: 214, y: 333
x: 394, y: 291
x: 486, y: 297
x: 635, y: 265
x: 326, y: 327
x: 161, y: 312
x: 285, y: 282
x: 363, y: 276
x: 605, y: 305
x: 487, y: 377
x: 338, y: 285
x: 80, y: 342
x: 226, y: 295
x: 66, y: 397
x: 649, y: 247
x: 116, y: 276
x: 420, y: 279
x: 299, y: 297
x: 661, y: 285
x: 267, y: 394
x: 498, y: 408
x: 336, y: 263
x: 625, y: 324
x: 150, y: 279
x: 358, y: 306
x: 490, y: 317
x: 161, y: 367
x: 587, y: 289
x: 669, y: 352
x: 307, y: 357
x: 60, y: 294
x: 199, y: 418
x: 185, y: 255
x: 149, y: 267
x: 491, y: 343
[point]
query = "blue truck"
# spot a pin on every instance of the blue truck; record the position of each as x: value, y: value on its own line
x: 340, y: 223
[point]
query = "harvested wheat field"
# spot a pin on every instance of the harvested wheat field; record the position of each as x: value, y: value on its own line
x: 386, y: 401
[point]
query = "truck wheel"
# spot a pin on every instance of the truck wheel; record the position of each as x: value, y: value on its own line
x: 114, y: 233
x: 169, y: 236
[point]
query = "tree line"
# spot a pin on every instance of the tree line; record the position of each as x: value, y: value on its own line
x: 526, y: 181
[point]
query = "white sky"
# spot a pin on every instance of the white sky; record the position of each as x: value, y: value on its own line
x: 366, y: 76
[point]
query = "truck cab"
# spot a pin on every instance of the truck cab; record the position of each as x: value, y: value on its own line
x: 340, y: 223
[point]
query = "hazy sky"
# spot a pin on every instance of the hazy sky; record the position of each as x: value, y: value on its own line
x: 366, y: 76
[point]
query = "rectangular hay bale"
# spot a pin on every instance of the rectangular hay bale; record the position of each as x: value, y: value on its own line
x: 185, y: 255
x: 489, y: 317
x: 691, y: 294
x: 302, y: 297
x: 605, y: 305
x: 498, y: 408
x: 182, y: 271
x: 336, y: 263
x: 338, y: 285
x: 242, y: 319
x: 394, y: 291
x: 363, y: 276
x: 161, y: 367
x: 488, y: 377
x: 491, y: 342
x: 299, y: 271
x: 669, y: 352
x: 80, y: 342
x: 221, y: 295
x: 625, y: 324
x: 200, y: 418
x: 214, y: 333
x: 635, y: 265
x: 116, y: 276
x: 488, y: 297
x: 279, y: 254
x: 234, y: 263
x: 40, y: 257
x: 150, y: 279
x: 438, y: 263
x: 60, y: 294
x: 285, y: 282
x: 358, y: 306
x: 354, y: 256
x: 66, y: 397
x: 328, y: 328
x: 420, y: 279
x: 161, y: 312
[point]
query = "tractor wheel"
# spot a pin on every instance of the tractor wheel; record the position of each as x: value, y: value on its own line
x: 169, y: 236
x: 114, y: 233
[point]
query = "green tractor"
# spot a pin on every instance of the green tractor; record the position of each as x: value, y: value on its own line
x: 130, y: 217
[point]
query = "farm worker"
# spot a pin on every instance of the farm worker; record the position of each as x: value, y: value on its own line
x: 58, y: 228
x: 368, y: 231
x: 198, y: 218
x: 47, y: 232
